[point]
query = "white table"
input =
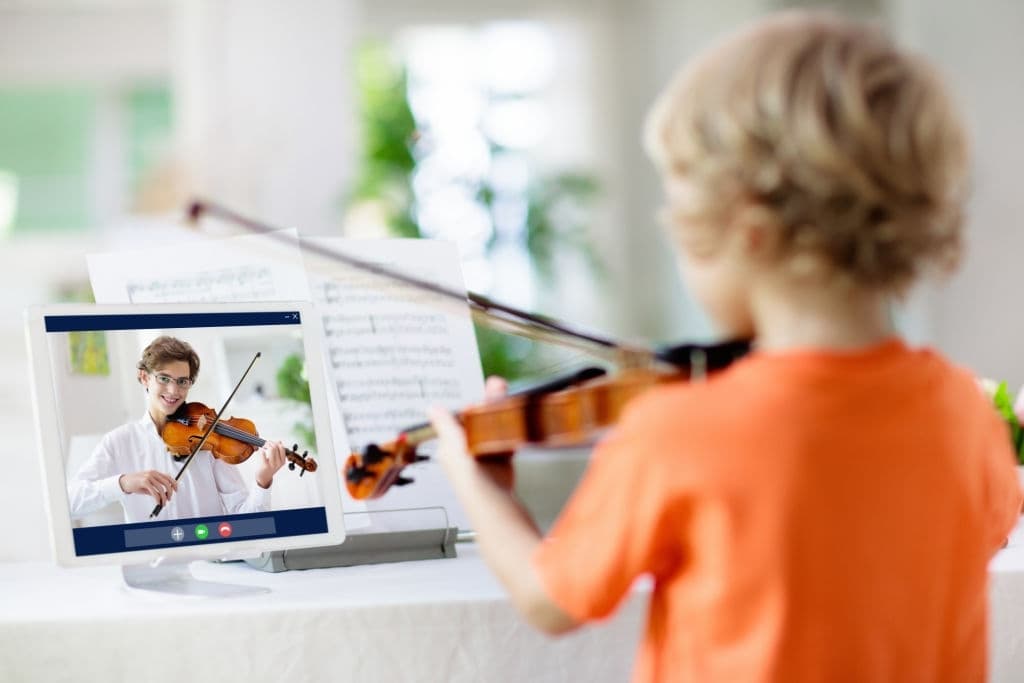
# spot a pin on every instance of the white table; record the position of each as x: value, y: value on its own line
x: 1006, y: 592
x: 436, y: 620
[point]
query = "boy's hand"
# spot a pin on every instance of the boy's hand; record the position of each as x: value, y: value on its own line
x: 495, y: 389
x: 452, y: 451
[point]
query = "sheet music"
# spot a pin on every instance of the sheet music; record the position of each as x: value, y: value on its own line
x: 245, y: 268
x: 394, y: 351
x: 253, y: 283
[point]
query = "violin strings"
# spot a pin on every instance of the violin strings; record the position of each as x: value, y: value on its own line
x: 240, y: 434
x: 228, y: 430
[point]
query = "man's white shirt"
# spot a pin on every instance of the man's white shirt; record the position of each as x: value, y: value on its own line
x: 209, y: 487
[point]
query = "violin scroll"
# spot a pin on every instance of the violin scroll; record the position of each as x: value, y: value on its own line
x: 304, y: 462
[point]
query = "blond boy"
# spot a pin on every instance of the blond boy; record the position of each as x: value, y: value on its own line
x: 824, y: 509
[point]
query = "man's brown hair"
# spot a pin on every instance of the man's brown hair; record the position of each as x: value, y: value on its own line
x: 164, y: 350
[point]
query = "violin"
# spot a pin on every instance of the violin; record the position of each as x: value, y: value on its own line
x: 232, y: 440
x: 567, y: 411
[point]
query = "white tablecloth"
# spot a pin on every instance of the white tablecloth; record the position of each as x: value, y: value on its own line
x: 1006, y: 591
x: 438, y: 620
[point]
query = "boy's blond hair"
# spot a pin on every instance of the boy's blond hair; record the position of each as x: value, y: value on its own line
x: 848, y: 147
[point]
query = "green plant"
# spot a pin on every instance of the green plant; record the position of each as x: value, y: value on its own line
x: 556, y: 218
x: 389, y: 131
x: 556, y: 205
x: 1003, y: 402
x: 293, y: 385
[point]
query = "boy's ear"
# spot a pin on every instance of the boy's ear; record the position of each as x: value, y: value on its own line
x: 142, y: 377
x: 757, y: 229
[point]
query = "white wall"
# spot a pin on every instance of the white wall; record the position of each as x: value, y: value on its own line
x: 78, y: 43
x: 94, y: 401
x: 976, y: 316
x: 654, y: 38
x: 264, y: 106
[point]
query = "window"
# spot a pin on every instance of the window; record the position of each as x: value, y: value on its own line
x: 53, y: 173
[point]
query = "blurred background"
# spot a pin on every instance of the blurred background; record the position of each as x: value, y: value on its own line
x: 512, y: 128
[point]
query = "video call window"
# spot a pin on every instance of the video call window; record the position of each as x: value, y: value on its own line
x: 110, y: 440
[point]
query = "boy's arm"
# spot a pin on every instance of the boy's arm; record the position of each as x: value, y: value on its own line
x: 506, y: 534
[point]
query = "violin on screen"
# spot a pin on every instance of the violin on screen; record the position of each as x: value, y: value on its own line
x: 570, y: 410
x: 232, y: 440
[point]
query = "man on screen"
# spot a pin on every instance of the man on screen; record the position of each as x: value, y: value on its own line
x: 132, y: 466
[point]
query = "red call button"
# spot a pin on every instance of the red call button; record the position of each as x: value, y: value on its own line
x: 224, y: 529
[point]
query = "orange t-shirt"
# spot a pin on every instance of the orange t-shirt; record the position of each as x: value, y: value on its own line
x: 805, y: 516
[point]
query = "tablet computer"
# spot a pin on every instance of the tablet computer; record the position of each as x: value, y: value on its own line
x: 144, y: 456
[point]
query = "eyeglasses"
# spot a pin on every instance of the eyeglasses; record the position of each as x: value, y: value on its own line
x: 183, y: 382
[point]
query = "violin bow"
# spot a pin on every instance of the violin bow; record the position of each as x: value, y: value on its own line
x: 502, y: 317
x: 209, y: 430
x: 488, y: 312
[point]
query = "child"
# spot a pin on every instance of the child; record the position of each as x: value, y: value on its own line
x: 824, y: 509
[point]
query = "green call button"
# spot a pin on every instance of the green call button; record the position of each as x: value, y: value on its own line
x: 202, y: 532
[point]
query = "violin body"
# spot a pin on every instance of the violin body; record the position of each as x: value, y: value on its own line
x: 570, y: 417
x: 188, y: 424
x: 232, y: 440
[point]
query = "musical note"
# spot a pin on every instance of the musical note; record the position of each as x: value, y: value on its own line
x: 393, y: 350
x: 245, y: 283
x: 246, y: 268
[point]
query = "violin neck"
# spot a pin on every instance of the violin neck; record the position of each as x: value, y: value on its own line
x: 417, y: 434
x: 239, y: 435
x: 253, y: 440
x: 712, y: 357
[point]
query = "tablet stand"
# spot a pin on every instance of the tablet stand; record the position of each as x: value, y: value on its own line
x: 373, y: 537
x: 176, y: 577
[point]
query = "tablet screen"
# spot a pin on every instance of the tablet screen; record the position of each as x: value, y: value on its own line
x: 137, y: 460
